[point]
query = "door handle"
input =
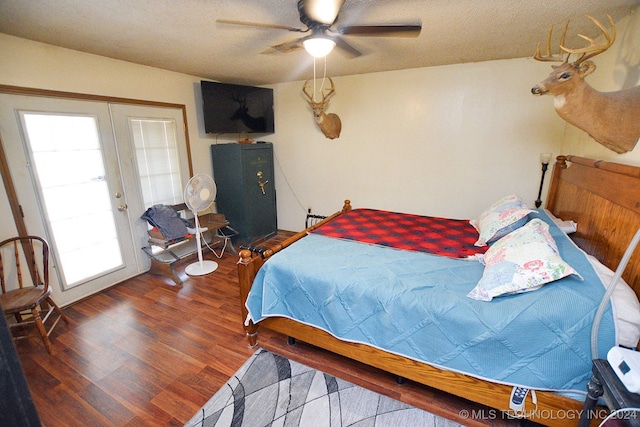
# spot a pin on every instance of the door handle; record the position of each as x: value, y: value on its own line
x: 262, y: 184
x: 123, y: 207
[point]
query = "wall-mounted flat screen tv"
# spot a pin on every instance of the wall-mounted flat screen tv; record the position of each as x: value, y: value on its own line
x: 229, y: 108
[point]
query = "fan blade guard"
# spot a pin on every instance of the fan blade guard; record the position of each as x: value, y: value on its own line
x: 200, y: 192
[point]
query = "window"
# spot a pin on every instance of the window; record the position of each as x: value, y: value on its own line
x: 156, y: 151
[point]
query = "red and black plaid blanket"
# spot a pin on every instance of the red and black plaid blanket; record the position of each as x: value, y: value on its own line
x: 452, y: 238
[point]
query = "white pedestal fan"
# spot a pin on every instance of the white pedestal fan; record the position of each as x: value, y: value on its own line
x: 199, y: 194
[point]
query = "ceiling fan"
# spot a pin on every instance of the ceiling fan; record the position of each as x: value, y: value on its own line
x: 319, y: 17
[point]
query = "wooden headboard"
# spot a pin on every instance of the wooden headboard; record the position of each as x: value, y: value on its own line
x: 603, y: 198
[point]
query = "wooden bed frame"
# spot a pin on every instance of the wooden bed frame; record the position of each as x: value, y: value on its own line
x: 603, y: 198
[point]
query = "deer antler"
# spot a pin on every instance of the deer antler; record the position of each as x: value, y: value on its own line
x: 560, y: 56
x: 331, y: 91
x: 311, y: 98
x: 594, y: 48
x: 242, y: 100
x: 304, y: 90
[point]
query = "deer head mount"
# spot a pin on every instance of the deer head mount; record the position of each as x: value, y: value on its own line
x: 611, y: 118
x: 329, y: 124
x: 242, y: 114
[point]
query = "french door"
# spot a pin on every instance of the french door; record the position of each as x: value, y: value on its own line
x: 75, y: 167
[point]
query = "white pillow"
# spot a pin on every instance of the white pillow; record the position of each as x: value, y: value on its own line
x: 626, y: 308
x: 501, y: 218
x: 567, y: 226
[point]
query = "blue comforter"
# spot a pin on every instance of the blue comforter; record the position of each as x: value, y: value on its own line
x: 414, y: 304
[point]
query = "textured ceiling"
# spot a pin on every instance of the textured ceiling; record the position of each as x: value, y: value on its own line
x: 184, y: 36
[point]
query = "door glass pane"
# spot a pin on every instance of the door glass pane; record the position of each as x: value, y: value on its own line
x: 158, y: 162
x: 69, y: 168
x: 156, y: 148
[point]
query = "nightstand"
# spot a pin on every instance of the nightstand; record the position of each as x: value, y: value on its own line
x: 606, y: 383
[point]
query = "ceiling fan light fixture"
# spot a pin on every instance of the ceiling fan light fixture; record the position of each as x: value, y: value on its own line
x: 318, y: 47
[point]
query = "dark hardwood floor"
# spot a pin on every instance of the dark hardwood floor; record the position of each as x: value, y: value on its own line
x: 146, y: 353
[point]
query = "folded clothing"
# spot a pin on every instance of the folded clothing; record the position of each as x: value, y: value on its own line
x: 167, y: 221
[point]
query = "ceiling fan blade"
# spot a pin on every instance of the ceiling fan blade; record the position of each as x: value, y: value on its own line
x: 286, y: 47
x: 257, y: 24
x: 322, y: 11
x: 346, y: 48
x: 394, y: 30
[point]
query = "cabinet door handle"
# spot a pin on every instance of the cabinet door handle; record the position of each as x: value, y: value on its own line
x: 262, y: 184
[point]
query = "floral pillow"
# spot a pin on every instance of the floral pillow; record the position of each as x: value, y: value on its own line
x: 501, y: 218
x: 522, y: 261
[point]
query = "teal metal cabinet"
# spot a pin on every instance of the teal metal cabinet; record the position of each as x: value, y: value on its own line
x: 246, y: 188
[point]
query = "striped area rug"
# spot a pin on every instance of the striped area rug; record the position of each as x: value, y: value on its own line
x: 270, y: 390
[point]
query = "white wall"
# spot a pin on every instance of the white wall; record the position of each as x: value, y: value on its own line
x: 443, y: 141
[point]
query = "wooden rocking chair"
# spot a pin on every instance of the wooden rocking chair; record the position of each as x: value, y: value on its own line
x: 24, y: 283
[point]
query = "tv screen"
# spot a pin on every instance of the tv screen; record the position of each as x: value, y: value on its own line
x: 229, y: 108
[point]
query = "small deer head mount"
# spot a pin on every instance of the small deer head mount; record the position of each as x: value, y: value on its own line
x: 610, y: 118
x: 242, y: 114
x: 329, y: 124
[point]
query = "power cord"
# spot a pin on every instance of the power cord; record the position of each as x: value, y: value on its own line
x: 226, y: 240
x: 615, y: 414
x: 295, y: 196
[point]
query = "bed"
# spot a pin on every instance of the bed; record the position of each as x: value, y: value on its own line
x: 601, y: 197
